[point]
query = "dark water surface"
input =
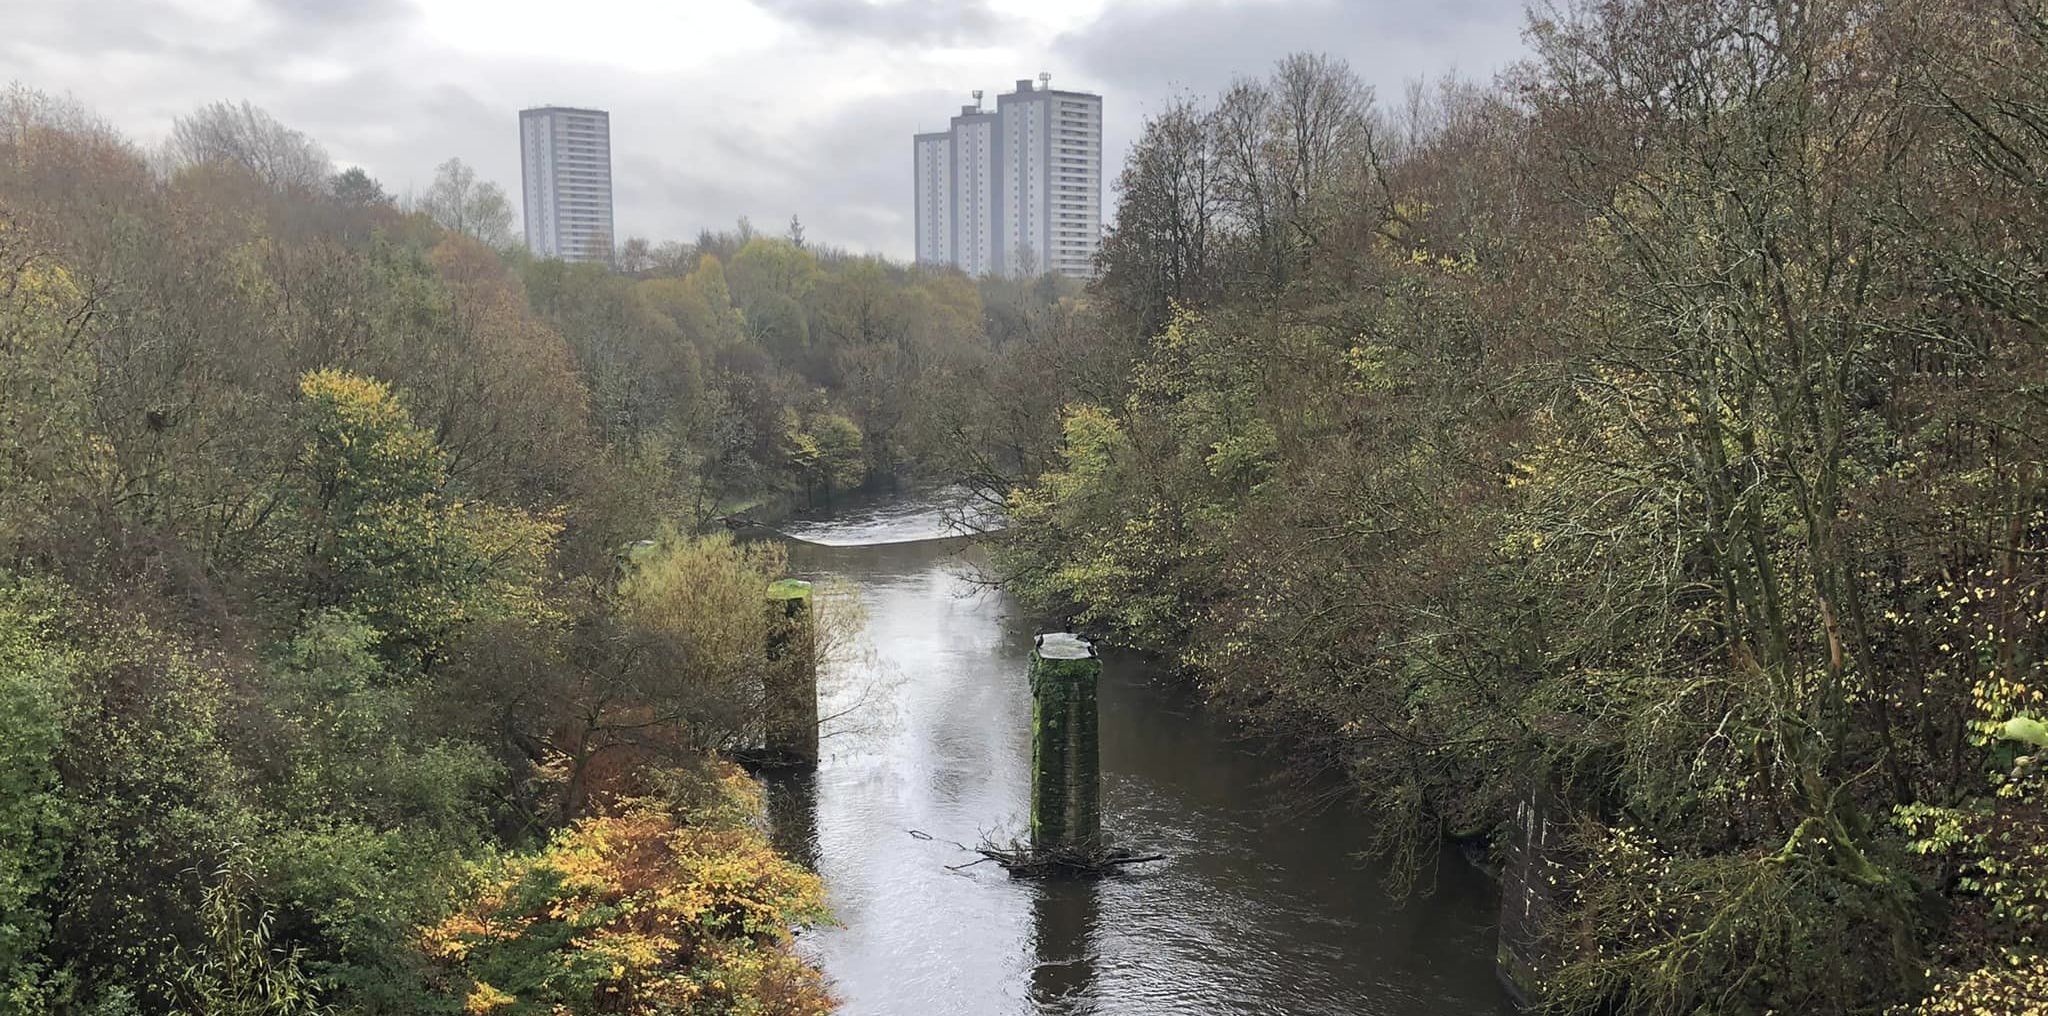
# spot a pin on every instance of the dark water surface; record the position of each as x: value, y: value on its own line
x: 1261, y: 907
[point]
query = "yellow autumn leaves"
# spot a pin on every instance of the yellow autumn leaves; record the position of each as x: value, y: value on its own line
x: 656, y: 912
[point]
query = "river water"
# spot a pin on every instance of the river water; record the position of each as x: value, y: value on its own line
x: 1262, y: 906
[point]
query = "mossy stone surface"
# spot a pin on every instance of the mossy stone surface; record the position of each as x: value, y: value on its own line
x: 790, y: 686
x: 1066, y: 770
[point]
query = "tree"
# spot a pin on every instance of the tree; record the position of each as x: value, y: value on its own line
x: 669, y: 664
x: 50, y: 464
x: 710, y: 316
x: 380, y: 537
x: 668, y: 907
x: 462, y: 204
x: 36, y: 675
x: 635, y: 256
x: 771, y: 267
x: 1320, y: 128
x: 672, y: 259
x: 245, y: 136
x: 1159, y: 253
x: 497, y: 386
x: 152, y: 792
x: 1245, y: 184
x: 309, y: 586
x: 1657, y: 425
x: 356, y: 188
x: 833, y: 443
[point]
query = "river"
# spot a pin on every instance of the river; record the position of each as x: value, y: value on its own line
x: 1262, y: 906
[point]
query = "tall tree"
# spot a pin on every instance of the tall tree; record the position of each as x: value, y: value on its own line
x: 353, y: 186
x: 240, y: 134
x: 463, y: 204
x: 1159, y: 253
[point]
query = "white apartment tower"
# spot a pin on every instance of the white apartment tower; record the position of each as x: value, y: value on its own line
x: 565, y: 158
x: 1050, y: 198
x: 974, y: 190
x: 1025, y: 187
x: 934, y: 158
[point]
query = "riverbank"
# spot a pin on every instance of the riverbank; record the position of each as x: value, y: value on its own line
x: 1262, y: 903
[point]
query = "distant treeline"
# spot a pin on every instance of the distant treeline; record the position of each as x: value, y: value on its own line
x: 1661, y: 426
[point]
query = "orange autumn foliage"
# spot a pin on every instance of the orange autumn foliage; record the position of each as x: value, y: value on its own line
x: 640, y: 912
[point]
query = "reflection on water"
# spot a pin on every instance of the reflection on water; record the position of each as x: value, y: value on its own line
x: 793, y: 817
x: 1063, y: 915
x: 1261, y: 907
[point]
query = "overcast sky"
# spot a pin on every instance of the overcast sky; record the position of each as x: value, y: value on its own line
x: 720, y: 108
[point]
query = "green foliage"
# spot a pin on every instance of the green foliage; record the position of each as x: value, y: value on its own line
x: 151, y: 793
x: 36, y: 673
x: 830, y: 445
x: 308, y: 511
x: 2026, y: 730
x: 2014, y: 986
x: 50, y: 457
x: 698, y: 599
x: 768, y: 267
x: 239, y: 971
x: 1760, y: 933
x: 353, y: 743
x: 376, y: 813
x: 1668, y: 424
x: 1107, y: 552
x: 383, y: 540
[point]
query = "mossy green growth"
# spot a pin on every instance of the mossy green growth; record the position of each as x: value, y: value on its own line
x: 2025, y: 729
x: 789, y: 589
x: 1066, y: 769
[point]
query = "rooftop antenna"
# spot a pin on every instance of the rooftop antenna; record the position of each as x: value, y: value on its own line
x: 977, y: 99
x: 1044, y: 80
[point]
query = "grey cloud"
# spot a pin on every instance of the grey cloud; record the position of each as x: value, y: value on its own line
x: 1202, y: 45
x: 135, y: 26
x: 1142, y: 56
x: 340, y: 12
x: 894, y: 21
x: 849, y: 178
x: 161, y: 29
x: 695, y: 149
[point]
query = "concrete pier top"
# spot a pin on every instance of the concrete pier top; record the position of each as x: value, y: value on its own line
x: 789, y: 589
x: 1061, y: 645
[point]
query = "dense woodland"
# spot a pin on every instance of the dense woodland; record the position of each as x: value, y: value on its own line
x: 1661, y: 425
x: 326, y: 681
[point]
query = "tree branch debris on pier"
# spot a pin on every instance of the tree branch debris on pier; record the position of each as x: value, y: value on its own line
x: 1022, y: 861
